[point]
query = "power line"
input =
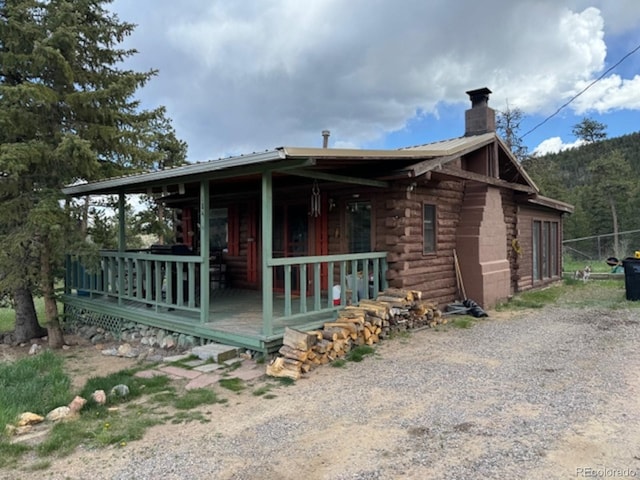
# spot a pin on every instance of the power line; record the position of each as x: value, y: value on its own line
x: 582, y: 91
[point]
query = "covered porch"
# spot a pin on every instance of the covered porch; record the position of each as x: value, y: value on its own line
x: 292, y: 267
x: 163, y: 291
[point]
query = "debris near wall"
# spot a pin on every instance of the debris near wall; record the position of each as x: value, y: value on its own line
x: 392, y: 312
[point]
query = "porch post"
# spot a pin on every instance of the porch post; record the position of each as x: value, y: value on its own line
x: 122, y: 238
x: 122, y: 244
x: 204, y: 250
x: 267, y: 253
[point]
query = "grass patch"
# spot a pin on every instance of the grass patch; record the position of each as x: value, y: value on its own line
x: 137, y: 386
x: 234, y: 384
x: 402, y: 335
x: 10, y: 453
x: 186, y: 417
x: 462, y: 322
x: 167, y: 397
x: 339, y: 363
x: 534, y: 299
x: 286, y: 381
x: 258, y: 392
x: 573, y: 266
x: 232, y: 367
x: 8, y: 315
x: 7, y: 319
x: 608, y: 294
x: 182, y: 363
x: 39, y: 465
x: 194, y: 398
x: 115, y: 429
x: 35, y: 384
x: 358, y: 353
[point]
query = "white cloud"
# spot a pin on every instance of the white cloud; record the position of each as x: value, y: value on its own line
x: 555, y: 145
x: 252, y: 75
x: 611, y: 93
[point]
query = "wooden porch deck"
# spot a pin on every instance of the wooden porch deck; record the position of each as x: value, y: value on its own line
x: 236, y: 317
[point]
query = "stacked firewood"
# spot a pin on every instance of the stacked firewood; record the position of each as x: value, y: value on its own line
x: 393, y: 311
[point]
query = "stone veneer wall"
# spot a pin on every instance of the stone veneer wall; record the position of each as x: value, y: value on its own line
x: 481, y: 246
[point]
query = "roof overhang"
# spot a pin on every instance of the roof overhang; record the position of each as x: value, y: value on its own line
x: 222, y: 168
x: 288, y: 160
x: 551, y: 203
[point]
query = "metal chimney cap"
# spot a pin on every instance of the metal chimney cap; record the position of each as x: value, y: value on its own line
x: 479, y: 96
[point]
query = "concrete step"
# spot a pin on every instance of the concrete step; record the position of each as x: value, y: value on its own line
x: 218, y: 352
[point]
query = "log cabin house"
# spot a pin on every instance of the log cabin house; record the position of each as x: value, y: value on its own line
x: 295, y: 233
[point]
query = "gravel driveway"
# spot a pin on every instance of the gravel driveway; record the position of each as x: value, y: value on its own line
x: 547, y: 394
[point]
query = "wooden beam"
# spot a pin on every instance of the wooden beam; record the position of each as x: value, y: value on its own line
x: 338, y: 178
x: 432, y: 164
x: 476, y: 177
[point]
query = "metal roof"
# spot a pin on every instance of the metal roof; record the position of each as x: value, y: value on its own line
x: 275, y: 159
x: 452, y: 146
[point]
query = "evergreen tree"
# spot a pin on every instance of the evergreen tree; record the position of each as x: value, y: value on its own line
x: 590, y: 130
x: 614, y: 185
x: 508, y: 126
x: 67, y: 113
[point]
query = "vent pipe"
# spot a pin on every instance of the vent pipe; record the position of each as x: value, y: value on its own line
x: 325, y: 138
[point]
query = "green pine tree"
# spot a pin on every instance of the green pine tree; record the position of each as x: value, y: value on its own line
x: 67, y: 113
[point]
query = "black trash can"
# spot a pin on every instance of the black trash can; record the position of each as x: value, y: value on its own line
x: 632, y: 278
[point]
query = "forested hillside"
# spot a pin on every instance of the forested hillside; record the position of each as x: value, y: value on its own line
x: 600, y: 179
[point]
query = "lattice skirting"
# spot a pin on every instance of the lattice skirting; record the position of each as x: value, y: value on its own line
x: 76, y: 316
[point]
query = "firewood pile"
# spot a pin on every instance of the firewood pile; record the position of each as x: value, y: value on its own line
x: 393, y: 311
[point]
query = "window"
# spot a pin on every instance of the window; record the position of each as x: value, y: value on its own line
x: 218, y: 229
x: 545, y: 243
x: 359, y: 226
x: 428, y: 228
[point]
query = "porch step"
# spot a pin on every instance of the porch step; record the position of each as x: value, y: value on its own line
x: 216, y: 351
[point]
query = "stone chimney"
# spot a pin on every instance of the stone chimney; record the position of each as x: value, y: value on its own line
x: 479, y: 118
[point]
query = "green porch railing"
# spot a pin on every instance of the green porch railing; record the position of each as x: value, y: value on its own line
x: 307, y: 285
x: 315, y: 280
x: 169, y: 281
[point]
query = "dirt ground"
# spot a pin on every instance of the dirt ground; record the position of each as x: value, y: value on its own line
x: 387, y: 417
x: 82, y: 359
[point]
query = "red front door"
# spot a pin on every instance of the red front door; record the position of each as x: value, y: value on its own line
x: 290, y: 239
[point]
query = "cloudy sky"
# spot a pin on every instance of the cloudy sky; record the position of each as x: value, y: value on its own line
x: 239, y: 76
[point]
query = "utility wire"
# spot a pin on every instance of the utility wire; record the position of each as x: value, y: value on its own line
x: 582, y: 91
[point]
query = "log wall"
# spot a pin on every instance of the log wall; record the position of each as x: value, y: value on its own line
x: 526, y: 217
x: 400, y: 232
x: 513, y: 240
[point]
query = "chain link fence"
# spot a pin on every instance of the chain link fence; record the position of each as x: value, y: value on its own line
x: 600, y: 247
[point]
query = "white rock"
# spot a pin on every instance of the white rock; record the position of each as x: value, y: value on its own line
x: 99, y: 397
x: 58, y: 414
